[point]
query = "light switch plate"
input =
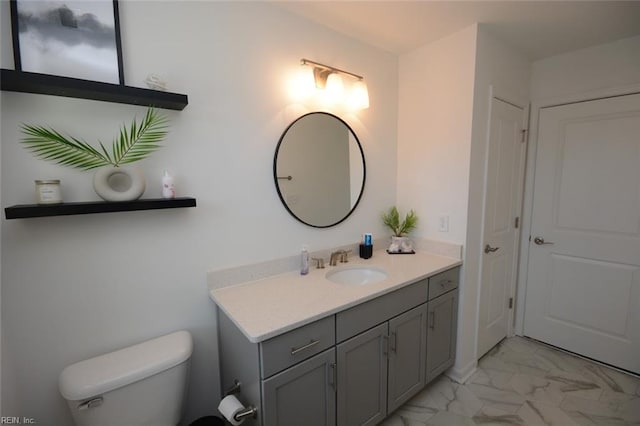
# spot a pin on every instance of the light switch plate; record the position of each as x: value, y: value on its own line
x: 443, y: 223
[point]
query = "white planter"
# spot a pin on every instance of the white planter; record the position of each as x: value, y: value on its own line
x: 119, y: 183
x: 400, y: 245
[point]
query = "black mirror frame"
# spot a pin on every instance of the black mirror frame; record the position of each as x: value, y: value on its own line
x: 364, y: 170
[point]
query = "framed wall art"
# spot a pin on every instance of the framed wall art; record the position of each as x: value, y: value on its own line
x: 71, y: 38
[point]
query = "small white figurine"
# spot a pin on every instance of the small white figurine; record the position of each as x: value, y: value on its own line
x: 156, y: 82
x: 168, y: 188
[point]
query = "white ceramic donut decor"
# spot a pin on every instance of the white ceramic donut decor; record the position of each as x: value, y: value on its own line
x: 119, y: 183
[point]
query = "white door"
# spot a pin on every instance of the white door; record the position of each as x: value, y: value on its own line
x: 503, y: 201
x: 583, y: 284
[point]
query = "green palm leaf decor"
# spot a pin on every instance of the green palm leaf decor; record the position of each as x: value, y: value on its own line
x: 134, y: 143
x: 391, y: 219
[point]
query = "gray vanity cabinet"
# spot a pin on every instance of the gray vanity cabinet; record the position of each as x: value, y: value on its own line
x: 304, y: 394
x: 362, y: 378
x: 348, y: 369
x: 442, y: 323
x: 382, y: 363
x: 407, y: 353
x: 288, y: 378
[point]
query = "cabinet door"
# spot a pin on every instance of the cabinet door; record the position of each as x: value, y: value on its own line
x: 407, y: 346
x: 303, y: 394
x: 362, y: 378
x: 441, y: 333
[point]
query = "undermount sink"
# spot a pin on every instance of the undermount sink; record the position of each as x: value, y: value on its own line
x: 356, y: 275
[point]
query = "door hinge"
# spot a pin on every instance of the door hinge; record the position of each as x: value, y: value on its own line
x: 517, y: 222
x: 511, y: 303
x: 524, y: 135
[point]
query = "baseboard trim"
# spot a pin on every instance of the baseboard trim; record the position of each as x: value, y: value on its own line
x: 461, y: 375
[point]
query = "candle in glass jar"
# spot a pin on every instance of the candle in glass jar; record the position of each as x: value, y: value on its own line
x: 48, y: 191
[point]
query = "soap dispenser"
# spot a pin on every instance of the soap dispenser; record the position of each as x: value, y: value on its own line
x: 304, y: 261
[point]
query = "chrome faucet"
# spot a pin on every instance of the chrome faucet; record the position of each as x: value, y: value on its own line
x: 333, y: 260
x: 319, y: 262
x: 341, y: 255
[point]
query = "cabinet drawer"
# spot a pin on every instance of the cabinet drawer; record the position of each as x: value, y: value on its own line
x: 443, y: 282
x: 290, y: 348
x: 369, y: 314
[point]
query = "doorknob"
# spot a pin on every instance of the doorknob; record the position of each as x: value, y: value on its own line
x: 489, y: 249
x: 540, y: 241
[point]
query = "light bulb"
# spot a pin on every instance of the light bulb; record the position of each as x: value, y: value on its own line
x: 303, y: 85
x: 359, y: 96
x: 335, y: 88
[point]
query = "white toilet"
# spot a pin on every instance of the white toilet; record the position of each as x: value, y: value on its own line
x: 144, y: 384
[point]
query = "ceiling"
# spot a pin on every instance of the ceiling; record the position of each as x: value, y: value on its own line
x: 537, y: 28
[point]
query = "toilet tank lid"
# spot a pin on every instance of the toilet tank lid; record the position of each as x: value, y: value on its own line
x: 110, y: 371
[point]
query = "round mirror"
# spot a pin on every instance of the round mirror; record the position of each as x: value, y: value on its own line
x: 319, y: 169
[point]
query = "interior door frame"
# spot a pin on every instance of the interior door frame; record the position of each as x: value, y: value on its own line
x: 529, y: 179
x: 496, y: 92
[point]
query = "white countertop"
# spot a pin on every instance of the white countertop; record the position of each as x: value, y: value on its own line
x: 265, y: 308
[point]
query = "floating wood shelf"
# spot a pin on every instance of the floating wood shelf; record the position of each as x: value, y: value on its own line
x: 23, y: 211
x: 45, y: 84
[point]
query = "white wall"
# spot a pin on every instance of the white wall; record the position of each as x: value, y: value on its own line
x: 584, y: 71
x: 434, y: 133
x: 436, y: 84
x: 504, y: 72
x: 74, y: 287
x: 605, y: 70
x: 442, y: 141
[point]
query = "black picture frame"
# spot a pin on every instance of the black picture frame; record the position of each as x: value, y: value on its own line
x: 106, y: 43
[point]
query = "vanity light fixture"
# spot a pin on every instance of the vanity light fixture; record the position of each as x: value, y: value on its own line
x: 334, y: 88
x: 327, y: 80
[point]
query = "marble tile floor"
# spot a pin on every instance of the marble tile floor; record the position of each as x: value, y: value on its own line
x: 523, y: 382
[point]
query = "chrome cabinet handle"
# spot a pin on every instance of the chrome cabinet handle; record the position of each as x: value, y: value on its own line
x: 443, y: 283
x: 540, y: 241
x: 302, y: 348
x: 489, y: 249
x: 432, y: 320
x: 333, y: 379
x: 394, y: 342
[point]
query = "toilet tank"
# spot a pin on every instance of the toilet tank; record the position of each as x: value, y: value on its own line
x: 144, y: 384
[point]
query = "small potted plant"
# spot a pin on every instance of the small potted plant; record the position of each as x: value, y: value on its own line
x: 399, y: 242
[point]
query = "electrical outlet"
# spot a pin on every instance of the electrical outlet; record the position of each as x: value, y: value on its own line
x: 443, y: 223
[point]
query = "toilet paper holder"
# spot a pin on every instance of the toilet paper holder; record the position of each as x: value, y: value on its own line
x: 249, y: 411
x: 234, y: 389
